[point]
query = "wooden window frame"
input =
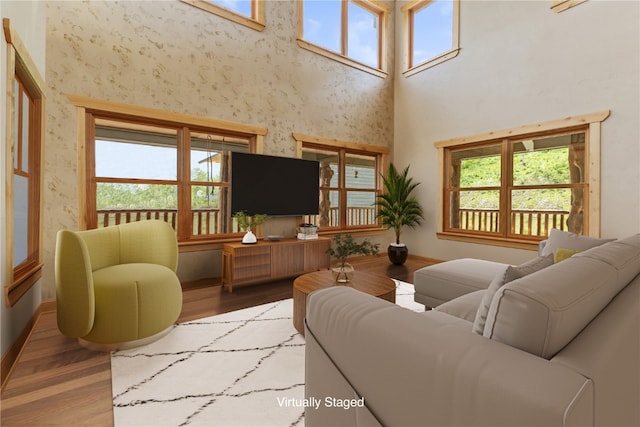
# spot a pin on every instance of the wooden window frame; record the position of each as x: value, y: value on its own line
x: 88, y: 108
x: 255, y: 21
x: 342, y: 148
x: 591, y: 123
x: 408, y: 10
x: 20, y: 66
x: 562, y: 5
x: 374, y: 6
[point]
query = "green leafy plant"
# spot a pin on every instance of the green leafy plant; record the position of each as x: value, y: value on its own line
x: 397, y: 207
x: 249, y: 222
x: 345, y: 246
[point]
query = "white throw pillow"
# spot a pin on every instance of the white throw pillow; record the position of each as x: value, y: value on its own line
x: 564, y: 239
x: 511, y: 273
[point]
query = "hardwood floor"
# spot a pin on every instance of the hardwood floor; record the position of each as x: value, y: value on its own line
x: 58, y: 382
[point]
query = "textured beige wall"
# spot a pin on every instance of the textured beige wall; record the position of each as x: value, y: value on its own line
x: 171, y: 56
x: 521, y: 63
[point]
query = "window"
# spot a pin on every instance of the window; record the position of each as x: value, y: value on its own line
x: 431, y: 32
x: 562, y: 5
x: 516, y: 185
x: 25, y: 99
x: 349, y: 31
x: 349, y: 182
x: 249, y: 13
x: 161, y: 166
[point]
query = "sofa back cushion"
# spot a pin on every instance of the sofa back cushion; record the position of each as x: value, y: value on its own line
x: 510, y: 274
x: 542, y: 312
x: 564, y: 239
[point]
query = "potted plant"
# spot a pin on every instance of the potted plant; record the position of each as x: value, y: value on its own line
x: 248, y: 223
x: 344, y: 247
x: 398, y: 208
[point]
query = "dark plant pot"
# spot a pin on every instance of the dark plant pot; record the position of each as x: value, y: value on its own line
x: 397, y: 254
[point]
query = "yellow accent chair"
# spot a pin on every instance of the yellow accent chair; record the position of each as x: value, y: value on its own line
x: 116, y: 287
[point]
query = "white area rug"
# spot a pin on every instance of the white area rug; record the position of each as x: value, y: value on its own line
x: 243, y: 368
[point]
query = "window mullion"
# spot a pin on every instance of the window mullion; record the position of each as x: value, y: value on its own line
x: 91, y: 185
x: 506, y: 186
x: 344, y: 39
x: 342, y: 185
x: 184, y: 223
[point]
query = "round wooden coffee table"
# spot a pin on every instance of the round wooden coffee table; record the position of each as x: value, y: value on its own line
x: 369, y: 283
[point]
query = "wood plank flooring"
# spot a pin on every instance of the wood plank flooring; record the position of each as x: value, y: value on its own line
x: 58, y: 382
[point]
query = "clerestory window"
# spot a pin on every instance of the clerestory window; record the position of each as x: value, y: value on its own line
x: 518, y: 184
x: 431, y: 29
x: 348, y: 31
x: 249, y: 13
x: 349, y: 182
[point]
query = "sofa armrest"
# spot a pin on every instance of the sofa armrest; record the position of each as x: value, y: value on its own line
x: 425, y: 369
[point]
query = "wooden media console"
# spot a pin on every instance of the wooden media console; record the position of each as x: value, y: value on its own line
x: 270, y: 260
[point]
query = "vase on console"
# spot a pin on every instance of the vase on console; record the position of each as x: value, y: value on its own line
x: 248, y: 223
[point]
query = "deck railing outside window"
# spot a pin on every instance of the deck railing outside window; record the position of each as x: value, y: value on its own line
x: 535, y: 223
x: 207, y: 221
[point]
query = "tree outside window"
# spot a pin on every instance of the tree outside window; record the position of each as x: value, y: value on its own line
x: 179, y: 174
x: 515, y: 185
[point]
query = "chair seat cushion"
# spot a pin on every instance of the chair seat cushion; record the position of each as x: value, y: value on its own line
x: 134, y: 301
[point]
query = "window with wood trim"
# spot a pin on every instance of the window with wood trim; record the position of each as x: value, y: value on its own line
x: 348, y: 31
x: 349, y: 182
x: 562, y: 5
x: 161, y: 166
x: 431, y: 29
x: 518, y: 186
x: 24, y: 136
x: 249, y: 13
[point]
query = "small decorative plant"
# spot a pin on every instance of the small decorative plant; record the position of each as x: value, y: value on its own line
x: 249, y: 222
x: 344, y: 247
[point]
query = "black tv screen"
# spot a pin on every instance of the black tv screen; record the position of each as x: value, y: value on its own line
x: 277, y: 186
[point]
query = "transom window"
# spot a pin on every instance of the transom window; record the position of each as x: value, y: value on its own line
x: 431, y: 32
x: 249, y: 13
x: 520, y: 186
x: 349, y: 182
x: 349, y: 31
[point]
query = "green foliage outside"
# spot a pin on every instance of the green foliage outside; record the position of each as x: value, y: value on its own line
x: 530, y: 168
x: 148, y: 196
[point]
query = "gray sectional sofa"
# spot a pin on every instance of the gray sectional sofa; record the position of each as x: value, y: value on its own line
x: 559, y: 346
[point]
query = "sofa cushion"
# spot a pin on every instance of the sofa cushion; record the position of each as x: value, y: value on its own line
x: 464, y: 307
x: 543, y: 312
x: 563, y: 253
x: 564, y: 239
x: 511, y: 273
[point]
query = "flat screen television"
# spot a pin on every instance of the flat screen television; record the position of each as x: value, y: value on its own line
x: 276, y: 186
